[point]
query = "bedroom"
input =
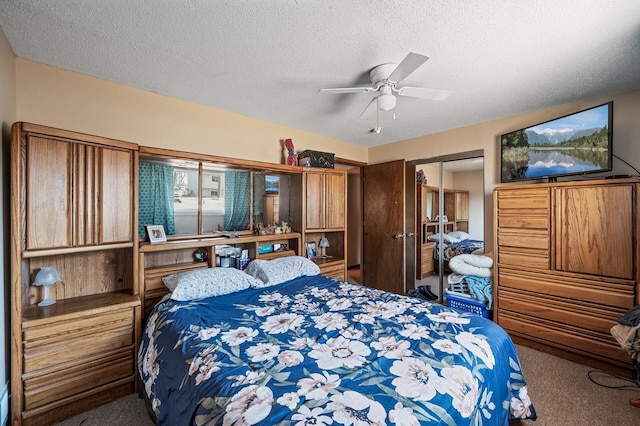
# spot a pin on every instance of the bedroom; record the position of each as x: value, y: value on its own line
x: 45, y: 94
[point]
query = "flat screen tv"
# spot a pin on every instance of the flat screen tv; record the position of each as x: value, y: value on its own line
x: 574, y: 144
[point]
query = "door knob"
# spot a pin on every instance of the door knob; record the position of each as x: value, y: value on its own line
x: 409, y: 234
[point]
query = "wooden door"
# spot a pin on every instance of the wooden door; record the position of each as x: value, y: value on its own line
x: 335, y: 214
x: 314, y: 195
x: 383, y: 255
x: 116, y: 183
x: 594, y: 230
x: 48, y: 193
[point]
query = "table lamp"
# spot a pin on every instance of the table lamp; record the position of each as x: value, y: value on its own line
x: 47, y: 276
x: 324, y: 243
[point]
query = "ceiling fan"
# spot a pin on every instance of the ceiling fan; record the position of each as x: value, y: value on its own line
x: 385, y: 80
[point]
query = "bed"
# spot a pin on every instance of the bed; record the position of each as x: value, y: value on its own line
x: 453, y: 244
x: 313, y: 350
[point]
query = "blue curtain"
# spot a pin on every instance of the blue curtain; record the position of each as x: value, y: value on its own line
x: 155, y: 197
x: 236, y: 201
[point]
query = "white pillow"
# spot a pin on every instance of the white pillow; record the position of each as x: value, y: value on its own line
x: 457, y: 236
x: 276, y: 271
x: 451, y: 237
x: 201, y: 283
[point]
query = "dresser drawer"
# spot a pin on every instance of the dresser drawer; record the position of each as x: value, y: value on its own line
x: 520, y: 220
x: 524, y: 199
x: 572, y: 339
x: 525, y: 238
x: 56, y: 343
x: 336, y: 271
x: 589, y: 316
x: 76, y: 377
x: 612, y: 294
x: 529, y: 258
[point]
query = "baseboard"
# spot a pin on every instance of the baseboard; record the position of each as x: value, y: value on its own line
x: 4, y: 405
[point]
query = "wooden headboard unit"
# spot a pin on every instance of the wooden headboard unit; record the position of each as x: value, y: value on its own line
x: 160, y: 260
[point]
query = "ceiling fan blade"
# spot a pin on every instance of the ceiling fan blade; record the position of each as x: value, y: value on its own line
x: 408, y: 65
x: 424, y: 93
x: 369, y: 106
x: 338, y: 90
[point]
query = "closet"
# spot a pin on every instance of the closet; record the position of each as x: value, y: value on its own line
x: 566, y: 266
x: 73, y: 208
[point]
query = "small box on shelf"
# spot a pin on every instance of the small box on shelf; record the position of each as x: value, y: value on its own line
x: 311, y: 158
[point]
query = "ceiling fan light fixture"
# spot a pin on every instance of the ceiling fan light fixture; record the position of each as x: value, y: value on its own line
x: 386, y: 102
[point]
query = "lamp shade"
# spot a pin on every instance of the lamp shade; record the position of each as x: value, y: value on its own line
x: 46, y: 276
x: 324, y: 243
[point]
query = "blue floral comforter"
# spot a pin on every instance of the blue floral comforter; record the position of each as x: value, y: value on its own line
x: 317, y: 351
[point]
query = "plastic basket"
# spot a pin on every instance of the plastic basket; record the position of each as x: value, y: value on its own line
x: 461, y: 287
x: 467, y: 304
x: 458, y: 285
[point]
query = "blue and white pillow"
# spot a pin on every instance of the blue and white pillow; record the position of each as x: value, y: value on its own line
x: 276, y: 271
x: 201, y: 283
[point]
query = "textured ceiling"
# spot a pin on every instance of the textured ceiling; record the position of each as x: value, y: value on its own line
x: 267, y: 59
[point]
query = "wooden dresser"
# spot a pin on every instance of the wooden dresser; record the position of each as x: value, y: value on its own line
x: 73, y: 208
x: 567, y: 266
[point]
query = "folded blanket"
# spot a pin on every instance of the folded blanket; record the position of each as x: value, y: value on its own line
x: 472, y: 264
x: 481, y: 288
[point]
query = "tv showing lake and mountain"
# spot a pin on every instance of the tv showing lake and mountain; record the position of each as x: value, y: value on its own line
x: 575, y: 144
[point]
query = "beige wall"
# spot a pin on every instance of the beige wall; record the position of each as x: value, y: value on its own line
x: 472, y: 182
x: 626, y: 131
x: 7, y: 117
x: 59, y: 98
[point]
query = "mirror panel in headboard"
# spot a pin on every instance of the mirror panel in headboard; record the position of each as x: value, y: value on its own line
x: 190, y: 198
x: 194, y: 195
x: 272, y: 198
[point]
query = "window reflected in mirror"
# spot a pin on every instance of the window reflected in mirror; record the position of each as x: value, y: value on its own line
x: 185, y: 198
x: 226, y: 199
x: 190, y: 199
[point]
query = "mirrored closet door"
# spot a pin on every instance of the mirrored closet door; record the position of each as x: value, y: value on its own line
x: 449, y: 217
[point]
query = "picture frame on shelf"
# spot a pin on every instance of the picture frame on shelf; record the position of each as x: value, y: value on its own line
x: 156, y: 234
x: 281, y: 247
x: 310, y: 249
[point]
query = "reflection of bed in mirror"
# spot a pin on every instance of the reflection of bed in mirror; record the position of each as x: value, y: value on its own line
x: 453, y: 244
